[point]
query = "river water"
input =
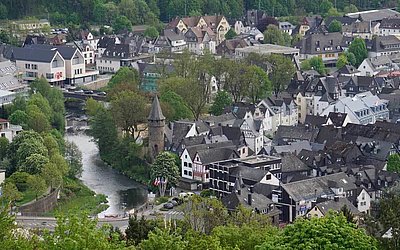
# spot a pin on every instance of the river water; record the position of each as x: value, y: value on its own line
x: 122, y: 193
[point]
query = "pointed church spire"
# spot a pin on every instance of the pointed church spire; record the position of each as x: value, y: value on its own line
x: 156, y: 112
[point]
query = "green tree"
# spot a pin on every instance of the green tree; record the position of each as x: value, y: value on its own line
x: 92, y: 106
x: 389, y: 215
x: 138, y: 230
x: 342, y: 61
x: 176, y: 105
x: 283, y: 71
x: 10, y: 192
x: 347, y: 214
x: 230, y: 34
x: 325, y: 6
x: 129, y: 111
x: 204, y: 214
x: 393, y: 163
x: 15, y: 145
x: 259, y: 83
x: 3, y: 12
x: 151, y: 32
x: 52, y: 175
x: 165, y: 167
x: 50, y: 142
x: 104, y: 131
x: 329, y: 232
x: 42, y: 103
x: 125, y: 76
x: 333, y: 12
x: 36, y: 184
x: 350, y: 9
x: 221, y: 101
x: 74, y: 159
x: 318, y: 65
x: 20, y: 180
x: 351, y: 58
x: 34, y: 163
x: 122, y: 23
x: 4, y: 144
x: 83, y: 233
x: 236, y: 83
x: 272, y: 35
x: 19, y: 117
x: 335, y: 26
x: 359, y: 49
x: 163, y: 239
x: 37, y: 120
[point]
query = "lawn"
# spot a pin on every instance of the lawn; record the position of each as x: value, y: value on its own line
x: 77, y: 198
x: 27, y: 196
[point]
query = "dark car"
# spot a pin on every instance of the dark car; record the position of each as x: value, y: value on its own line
x: 177, y: 200
x: 168, y: 205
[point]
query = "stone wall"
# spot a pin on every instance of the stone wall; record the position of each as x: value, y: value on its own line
x: 40, y: 206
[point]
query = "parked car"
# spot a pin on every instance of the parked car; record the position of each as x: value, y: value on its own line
x: 88, y: 92
x: 168, y: 205
x: 79, y: 91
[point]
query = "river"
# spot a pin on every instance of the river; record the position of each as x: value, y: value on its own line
x: 122, y: 193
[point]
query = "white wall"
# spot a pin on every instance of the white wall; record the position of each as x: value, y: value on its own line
x: 107, y: 65
x: 363, y: 201
x: 185, y: 158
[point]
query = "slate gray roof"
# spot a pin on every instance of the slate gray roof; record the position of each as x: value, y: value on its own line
x: 156, y: 112
x: 347, y: 70
x: 291, y: 163
x: 390, y: 23
x: 294, y: 147
x: 337, y: 118
x: 315, y: 120
x: 294, y: 132
x: 385, y: 43
x: 374, y: 15
x: 30, y: 54
x: 336, y: 206
x: 117, y: 51
x: 314, y: 44
x: 344, y: 20
x: 211, y: 155
x: 318, y: 186
x: 259, y: 202
x: 67, y: 52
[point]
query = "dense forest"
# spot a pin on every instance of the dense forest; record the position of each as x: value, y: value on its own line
x: 150, y: 11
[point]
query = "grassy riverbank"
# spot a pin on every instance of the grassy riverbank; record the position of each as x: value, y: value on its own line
x: 75, y: 197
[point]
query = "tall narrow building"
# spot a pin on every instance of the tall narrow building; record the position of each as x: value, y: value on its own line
x: 156, y: 122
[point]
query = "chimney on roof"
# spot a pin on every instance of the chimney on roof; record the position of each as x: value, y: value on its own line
x: 251, y: 189
x: 239, y: 191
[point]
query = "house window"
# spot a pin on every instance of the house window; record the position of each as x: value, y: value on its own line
x: 185, y: 172
x: 49, y: 76
x: 185, y: 164
x: 3, y: 135
x: 27, y: 66
x: 34, y: 66
x: 190, y: 165
x: 190, y: 173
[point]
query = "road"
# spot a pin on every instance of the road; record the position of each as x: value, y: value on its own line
x: 122, y: 223
x: 50, y: 222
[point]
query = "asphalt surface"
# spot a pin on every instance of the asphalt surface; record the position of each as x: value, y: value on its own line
x: 122, y: 223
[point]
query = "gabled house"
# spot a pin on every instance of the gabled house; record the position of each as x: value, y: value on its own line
x: 200, y: 39
x: 363, y: 108
x: 298, y: 197
x: 284, y: 111
x: 114, y: 57
x: 390, y: 26
x: 375, y: 65
x: 328, y: 46
x: 321, y: 209
x: 9, y: 130
x: 172, y: 40
x: 104, y: 42
x: 361, y: 29
x: 360, y: 84
x: 227, y: 47
x: 249, y: 199
x: 34, y: 63
x: 217, y: 23
x: 384, y: 45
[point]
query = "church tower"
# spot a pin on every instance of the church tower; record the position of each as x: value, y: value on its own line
x: 156, y: 122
